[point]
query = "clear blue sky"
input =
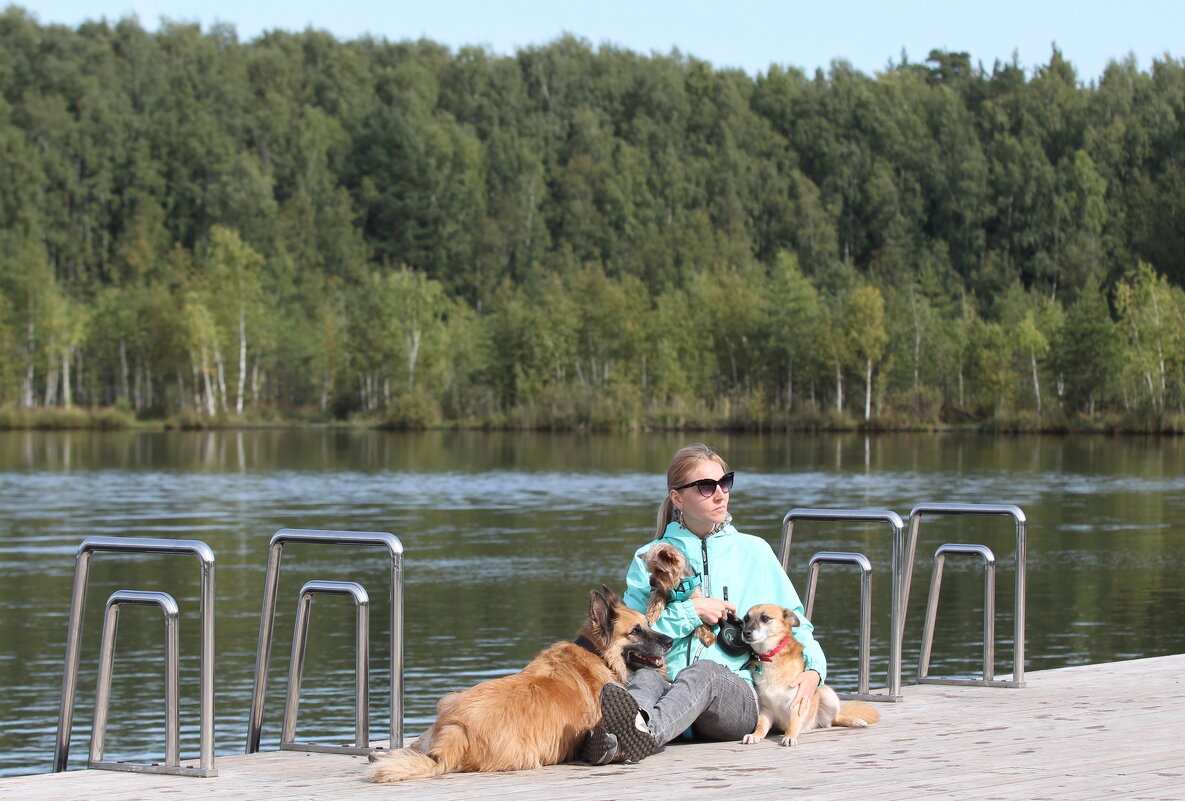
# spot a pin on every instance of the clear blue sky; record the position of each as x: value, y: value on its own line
x: 746, y: 34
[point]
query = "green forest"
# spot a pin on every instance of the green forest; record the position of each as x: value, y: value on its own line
x: 197, y: 230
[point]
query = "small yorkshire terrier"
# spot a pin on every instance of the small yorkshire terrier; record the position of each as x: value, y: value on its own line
x: 668, y: 569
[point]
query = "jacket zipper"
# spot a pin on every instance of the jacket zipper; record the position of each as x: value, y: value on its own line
x: 707, y: 592
x: 707, y: 583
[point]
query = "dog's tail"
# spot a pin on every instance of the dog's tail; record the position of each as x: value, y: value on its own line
x: 404, y: 764
x: 857, y: 714
x: 445, y: 753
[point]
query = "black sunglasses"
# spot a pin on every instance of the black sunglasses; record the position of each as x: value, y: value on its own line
x: 707, y: 486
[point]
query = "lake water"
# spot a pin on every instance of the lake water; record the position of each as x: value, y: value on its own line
x: 505, y: 534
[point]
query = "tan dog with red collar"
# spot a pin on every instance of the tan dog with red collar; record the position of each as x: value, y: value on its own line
x: 768, y: 631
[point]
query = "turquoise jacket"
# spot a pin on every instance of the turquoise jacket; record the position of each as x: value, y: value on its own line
x: 743, y: 564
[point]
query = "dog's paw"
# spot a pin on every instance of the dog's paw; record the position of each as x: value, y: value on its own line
x: 749, y: 739
x: 705, y: 636
x: 788, y: 741
x: 858, y: 723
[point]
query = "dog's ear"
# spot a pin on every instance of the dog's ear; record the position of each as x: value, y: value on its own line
x: 790, y: 618
x: 601, y: 605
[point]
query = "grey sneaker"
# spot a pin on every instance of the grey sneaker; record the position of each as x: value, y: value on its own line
x: 600, y: 747
x: 621, y: 717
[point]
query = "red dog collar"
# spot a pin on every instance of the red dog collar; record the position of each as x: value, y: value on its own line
x: 769, y: 657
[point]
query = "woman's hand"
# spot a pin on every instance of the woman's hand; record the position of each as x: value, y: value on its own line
x: 712, y: 610
x: 807, y: 682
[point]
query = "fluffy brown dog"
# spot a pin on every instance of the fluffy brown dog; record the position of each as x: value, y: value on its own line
x: 668, y: 567
x: 538, y: 716
x: 768, y: 630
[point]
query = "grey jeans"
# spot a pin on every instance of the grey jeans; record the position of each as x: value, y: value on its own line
x: 719, y: 703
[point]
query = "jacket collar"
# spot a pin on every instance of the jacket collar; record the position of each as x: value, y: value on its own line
x: 675, y: 531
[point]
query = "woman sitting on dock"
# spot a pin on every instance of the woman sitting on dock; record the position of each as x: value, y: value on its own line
x: 706, y: 692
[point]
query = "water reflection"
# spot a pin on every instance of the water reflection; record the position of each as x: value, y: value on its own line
x: 504, y: 536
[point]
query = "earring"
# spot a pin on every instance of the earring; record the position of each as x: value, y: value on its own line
x: 677, y: 516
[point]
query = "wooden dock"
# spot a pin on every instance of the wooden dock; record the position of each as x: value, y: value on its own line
x: 1091, y: 732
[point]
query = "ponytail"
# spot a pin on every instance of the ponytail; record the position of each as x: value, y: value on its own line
x: 666, y: 513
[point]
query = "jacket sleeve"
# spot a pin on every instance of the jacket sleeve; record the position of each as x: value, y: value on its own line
x: 678, y: 620
x: 812, y: 651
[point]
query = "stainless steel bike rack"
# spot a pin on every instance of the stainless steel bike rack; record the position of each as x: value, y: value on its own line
x: 989, y: 614
x: 812, y: 582
x: 89, y: 547
x: 267, y: 619
x: 1021, y: 532
x: 361, y: 659
x: 168, y: 606
x: 899, y: 588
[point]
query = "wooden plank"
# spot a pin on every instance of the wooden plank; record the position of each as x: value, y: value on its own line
x: 1075, y: 733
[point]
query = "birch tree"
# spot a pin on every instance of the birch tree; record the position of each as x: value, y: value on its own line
x: 236, y: 294
x: 866, y: 334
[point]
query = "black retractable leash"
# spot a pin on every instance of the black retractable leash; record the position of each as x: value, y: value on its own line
x: 730, y: 637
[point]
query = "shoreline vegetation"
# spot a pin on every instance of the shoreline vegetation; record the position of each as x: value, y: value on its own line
x: 121, y: 419
x: 198, y: 232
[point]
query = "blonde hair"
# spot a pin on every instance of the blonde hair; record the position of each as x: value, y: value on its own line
x: 682, y: 463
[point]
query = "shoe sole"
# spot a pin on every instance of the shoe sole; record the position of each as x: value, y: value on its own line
x: 600, y: 748
x: 619, y: 710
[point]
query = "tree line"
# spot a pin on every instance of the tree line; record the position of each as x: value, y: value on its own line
x: 298, y: 227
